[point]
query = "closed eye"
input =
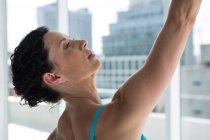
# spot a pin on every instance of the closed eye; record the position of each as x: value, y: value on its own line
x: 66, y: 46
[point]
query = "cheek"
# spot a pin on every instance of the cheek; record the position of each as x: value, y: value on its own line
x: 76, y: 64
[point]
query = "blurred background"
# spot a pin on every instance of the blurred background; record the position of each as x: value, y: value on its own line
x: 121, y: 34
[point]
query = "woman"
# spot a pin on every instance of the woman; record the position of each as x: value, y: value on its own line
x: 48, y: 66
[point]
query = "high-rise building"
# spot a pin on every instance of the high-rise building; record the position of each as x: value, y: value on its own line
x: 129, y: 41
x: 80, y: 22
x: 116, y: 69
x: 195, y: 90
x: 134, y: 34
x: 47, y: 15
x: 136, y: 29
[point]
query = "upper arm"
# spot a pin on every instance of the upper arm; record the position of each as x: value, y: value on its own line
x: 140, y: 93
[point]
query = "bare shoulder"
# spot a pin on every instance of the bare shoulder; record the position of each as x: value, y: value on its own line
x: 52, y: 135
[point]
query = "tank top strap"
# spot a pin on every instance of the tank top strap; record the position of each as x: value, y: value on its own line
x: 143, y: 137
x: 93, y: 125
x: 56, y: 134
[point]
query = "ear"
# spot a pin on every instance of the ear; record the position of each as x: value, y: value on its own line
x: 52, y: 79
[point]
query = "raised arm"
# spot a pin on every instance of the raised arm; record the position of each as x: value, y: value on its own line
x: 140, y: 93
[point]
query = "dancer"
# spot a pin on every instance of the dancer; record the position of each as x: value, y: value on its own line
x: 48, y: 66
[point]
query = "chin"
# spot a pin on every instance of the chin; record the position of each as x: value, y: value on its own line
x: 97, y: 66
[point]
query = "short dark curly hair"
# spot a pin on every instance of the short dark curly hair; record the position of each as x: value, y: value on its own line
x: 28, y: 64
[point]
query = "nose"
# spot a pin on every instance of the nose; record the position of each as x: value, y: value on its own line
x: 84, y: 44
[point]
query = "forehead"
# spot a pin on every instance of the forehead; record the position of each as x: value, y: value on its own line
x: 52, y: 39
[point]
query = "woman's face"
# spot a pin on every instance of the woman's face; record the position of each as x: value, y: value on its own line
x: 70, y: 57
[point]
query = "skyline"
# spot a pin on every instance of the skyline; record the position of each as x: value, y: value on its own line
x: 101, y: 19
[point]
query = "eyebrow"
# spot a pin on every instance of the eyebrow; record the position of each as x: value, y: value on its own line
x: 59, y: 43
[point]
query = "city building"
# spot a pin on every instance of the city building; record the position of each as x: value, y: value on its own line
x: 136, y: 30
x: 46, y: 16
x: 195, y: 89
x: 116, y: 69
x: 129, y: 42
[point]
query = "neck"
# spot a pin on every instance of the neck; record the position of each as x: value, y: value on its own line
x: 82, y: 93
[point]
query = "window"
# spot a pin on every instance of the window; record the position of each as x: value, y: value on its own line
x: 195, y: 77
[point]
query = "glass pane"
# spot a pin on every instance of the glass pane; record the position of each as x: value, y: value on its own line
x: 195, y: 80
x: 24, y: 122
x: 121, y: 33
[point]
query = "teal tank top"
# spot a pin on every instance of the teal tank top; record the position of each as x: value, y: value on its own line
x: 93, y: 125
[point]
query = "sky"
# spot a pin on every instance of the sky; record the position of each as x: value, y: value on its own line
x: 22, y: 18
